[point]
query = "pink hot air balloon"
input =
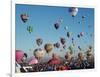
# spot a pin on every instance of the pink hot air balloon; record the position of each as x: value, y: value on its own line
x: 19, y: 55
x: 81, y: 33
x: 33, y: 61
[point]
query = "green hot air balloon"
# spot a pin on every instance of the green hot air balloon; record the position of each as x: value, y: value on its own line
x: 71, y: 48
x: 30, y: 29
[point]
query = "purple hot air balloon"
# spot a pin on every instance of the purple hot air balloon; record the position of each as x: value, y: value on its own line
x: 63, y: 40
x: 57, y: 45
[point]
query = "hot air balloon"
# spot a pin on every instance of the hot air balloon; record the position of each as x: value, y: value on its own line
x: 68, y: 34
x: 72, y: 40
x: 81, y: 33
x: 56, y: 25
x: 24, y: 17
x: 19, y: 54
x: 73, y: 11
x: 64, y: 46
x: 66, y: 27
x: 63, y: 41
x: 68, y: 56
x: 60, y: 20
x: 39, y: 41
x: 83, y: 17
x: 90, y: 47
x: 79, y: 22
x: 39, y: 53
x: 78, y: 36
x: 79, y: 48
x: 30, y: 29
x: 57, y: 45
x: 55, y: 59
x: 80, y: 56
x: 71, y: 48
x: 32, y: 61
x: 48, y: 47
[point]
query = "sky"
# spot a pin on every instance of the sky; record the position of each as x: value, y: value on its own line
x: 42, y: 19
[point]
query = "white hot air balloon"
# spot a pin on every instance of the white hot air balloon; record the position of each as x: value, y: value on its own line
x: 73, y: 11
x: 39, y: 53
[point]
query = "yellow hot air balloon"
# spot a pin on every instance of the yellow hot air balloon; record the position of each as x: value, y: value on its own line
x: 48, y: 47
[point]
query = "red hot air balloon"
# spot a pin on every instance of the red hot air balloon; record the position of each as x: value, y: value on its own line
x: 55, y: 59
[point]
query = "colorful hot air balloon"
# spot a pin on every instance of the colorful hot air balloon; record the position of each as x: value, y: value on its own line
x: 39, y: 53
x: 30, y: 29
x: 39, y: 41
x: 19, y: 54
x: 68, y: 56
x: 57, y: 45
x: 48, y: 47
x: 63, y: 41
x: 24, y: 17
x: 32, y: 61
x: 73, y: 11
x: 81, y: 33
x: 71, y: 48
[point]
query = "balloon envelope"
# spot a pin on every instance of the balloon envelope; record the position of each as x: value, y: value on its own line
x: 56, y: 25
x: 66, y: 28
x: 39, y: 41
x: 82, y: 33
x: 48, y: 47
x: 78, y: 36
x: 68, y: 34
x: 73, y: 11
x: 79, y: 48
x: 33, y: 61
x: 71, y: 48
x: 57, y: 45
x: 30, y: 29
x: 24, y: 17
x: 39, y: 53
x: 55, y: 59
x: 19, y: 54
x: 63, y: 40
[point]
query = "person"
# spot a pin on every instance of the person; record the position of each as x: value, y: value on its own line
x: 17, y: 66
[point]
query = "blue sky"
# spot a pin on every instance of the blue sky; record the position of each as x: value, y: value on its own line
x: 42, y: 19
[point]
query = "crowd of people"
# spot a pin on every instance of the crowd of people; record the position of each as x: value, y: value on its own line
x: 70, y: 62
